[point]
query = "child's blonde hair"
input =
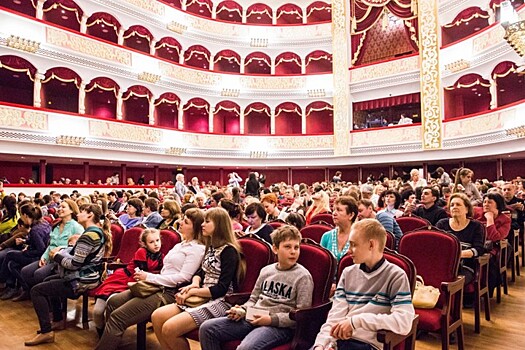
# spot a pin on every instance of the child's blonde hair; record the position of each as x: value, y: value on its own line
x: 144, y: 236
x: 284, y: 233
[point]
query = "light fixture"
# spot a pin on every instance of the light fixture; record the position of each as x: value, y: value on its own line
x: 457, y: 65
x: 177, y: 27
x: 175, y: 151
x: 23, y: 44
x: 258, y: 154
x: 70, y: 140
x: 514, y: 28
x: 259, y: 42
x: 316, y: 92
x: 518, y: 131
x: 149, y: 77
x: 228, y: 92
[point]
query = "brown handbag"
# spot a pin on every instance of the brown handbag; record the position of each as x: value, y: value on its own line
x: 143, y: 289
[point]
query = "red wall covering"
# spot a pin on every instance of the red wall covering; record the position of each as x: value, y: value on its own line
x: 71, y: 171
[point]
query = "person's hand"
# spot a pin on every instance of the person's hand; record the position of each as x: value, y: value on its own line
x: 239, y: 233
x: 187, y: 288
x: 19, y: 241
x: 342, y: 330
x: 180, y: 297
x: 42, y: 262
x: 234, y: 313
x: 460, y: 188
x: 140, y: 276
x: 489, y: 215
x: 259, y: 320
x: 53, y: 252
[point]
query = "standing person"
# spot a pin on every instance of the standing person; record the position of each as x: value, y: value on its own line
x: 221, y: 270
x: 37, y: 271
x: 194, y: 187
x: 252, y: 186
x: 147, y: 258
x: 428, y: 209
x: 357, y: 313
x: 180, y: 264
x: 82, y: 270
x: 464, y: 184
x: 515, y: 205
x: 180, y: 187
x: 295, y: 292
x: 337, y: 177
x: 443, y: 177
x: 234, y: 180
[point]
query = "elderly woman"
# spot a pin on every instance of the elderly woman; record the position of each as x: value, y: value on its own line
x: 415, y: 180
x: 469, y: 232
x: 256, y: 215
x: 345, y: 214
x: 498, y: 227
x: 463, y: 183
x: 170, y: 213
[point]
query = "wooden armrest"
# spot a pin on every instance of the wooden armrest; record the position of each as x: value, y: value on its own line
x: 309, y: 322
x: 237, y: 298
x: 453, y: 286
x: 482, y: 260
x: 393, y: 339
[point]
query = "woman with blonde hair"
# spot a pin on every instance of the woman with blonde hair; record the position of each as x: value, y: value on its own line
x: 222, y: 269
x: 321, y: 204
x: 463, y: 183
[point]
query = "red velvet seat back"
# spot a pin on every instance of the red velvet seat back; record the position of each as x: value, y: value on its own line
x: 345, y: 261
x: 51, y: 211
x: 168, y: 239
x: 321, y: 264
x: 276, y: 224
x: 390, y: 240
x: 405, y: 264
x: 326, y: 217
x: 258, y: 254
x: 129, y: 244
x: 435, y: 254
x: 49, y: 219
x: 315, y: 231
x: 411, y: 223
x: 117, y: 232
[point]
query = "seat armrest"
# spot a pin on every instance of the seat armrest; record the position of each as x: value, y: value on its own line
x: 391, y: 339
x: 308, y: 323
x: 237, y: 298
x: 113, y: 266
x: 453, y: 287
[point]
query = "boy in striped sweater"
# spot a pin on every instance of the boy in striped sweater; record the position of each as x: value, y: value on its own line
x: 371, y: 295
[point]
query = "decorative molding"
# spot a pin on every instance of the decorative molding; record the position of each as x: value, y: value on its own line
x: 23, y: 119
x: 258, y: 154
x: 259, y: 42
x: 177, y: 27
x: 230, y: 92
x: 151, y: 6
x: 457, y: 65
x: 70, y: 140
x: 395, y: 135
x: 175, y: 151
x: 518, y: 131
x: 121, y: 131
x: 313, y: 93
x: 431, y: 93
x: 23, y: 44
x: 149, y: 77
x: 385, y: 69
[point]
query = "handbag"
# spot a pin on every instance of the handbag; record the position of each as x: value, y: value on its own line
x: 194, y: 301
x: 425, y: 297
x: 143, y: 289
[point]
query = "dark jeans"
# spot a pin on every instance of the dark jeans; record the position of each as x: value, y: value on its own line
x: 11, y: 266
x: 353, y: 344
x: 52, y: 291
x: 32, y: 274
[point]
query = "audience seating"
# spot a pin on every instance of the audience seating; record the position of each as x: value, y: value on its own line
x: 49, y: 219
x: 324, y: 218
x: 128, y: 246
x: 412, y: 223
x: 436, y: 255
x: 501, y: 258
x: 390, y: 240
x: 515, y: 260
x: 117, y: 232
x: 315, y: 231
x: 276, y: 224
x: 169, y: 238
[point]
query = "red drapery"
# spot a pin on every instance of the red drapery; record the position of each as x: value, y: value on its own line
x: 103, y: 83
x: 387, y: 102
x: 196, y: 50
x: 288, y: 108
x: 258, y: 56
x: 197, y: 103
x: 367, y: 13
x: 288, y: 57
x: 289, y: 13
x: 104, y: 18
x: 228, y: 107
x: 137, y: 91
x: 228, y: 55
x: 259, y: 13
x: 318, y: 106
x: 200, y: 7
x: 319, y: 11
x: 168, y: 97
x: 229, y: 6
x: 67, y: 5
x: 468, y: 81
x: 18, y: 64
x: 63, y: 74
x: 412, y: 30
x: 317, y: 55
x: 467, y: 15
x: 138, y: 30
x: 503, y: 69
x: 168, y: 41
x: 257, y: 107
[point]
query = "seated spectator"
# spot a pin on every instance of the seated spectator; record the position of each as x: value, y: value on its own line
x: 515, y: 205
x: 9, y: 217
x: 415, y: 180
x: 321, y: 204
x: 296, y: 219
x: 152, y: 218
x: 389, y: 201
x: 366, y: 211
x: 345, y: 214
x: 113, y: 204
x: 428, y: 209
x: 270, y: 202
x: 133, y: 216
x: 256, y: 215
x: 235, y: 212
x: 276, y: 328
x: 443, y: 177
x: 170, y: 213
x: 288, y: 197
x: 357, y: 314
x: 200, y: 200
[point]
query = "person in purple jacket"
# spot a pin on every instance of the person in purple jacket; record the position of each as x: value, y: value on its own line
x: 28, y: 250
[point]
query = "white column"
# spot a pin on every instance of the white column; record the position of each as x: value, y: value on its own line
x: 303, y: 121
x: 214, y: 10
x: 119, y: 105
x: 303, y: 65
x: 37, y: 90
x: 40, y: 9
x: 183, y: 5
x: 493, y: 93
x: 120, y: 40
x: 272, y: 66
x: 181, y: 56
x: 305, y: 12
x: 210, y: 118
x: 82, y: 98
x: 272, y: 121
x: 243, y: 20
x: 212, y: 62
x: 180, y: 116
x: 152, y: 44
x: 83, y: 24
x: 241, y: 122
x: 243, y: 59
x: 151, y: 111
x: 274, y: 17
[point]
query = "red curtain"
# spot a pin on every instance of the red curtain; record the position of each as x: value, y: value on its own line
x: 257, y: 107
x: 467, y: 15
x: 67, y: 5
x: 503, y: 68
x: 105, y: 18
x: 229, y: 7
x: 16, y: 63
x: 229, y: 55
x: 138, y: 30
x: 197, y: 103
x: 137, y: 90
x: 259, y: 13
x: 197, y: 49
x: 412, y: 30
x: 170, y: 42
x: 199, y: 7
x: 318, y: 11
x: 468, y: 81
x: 168, y: 97
x: 227, y: 107
x: 258, y: 56
x: 290, y: 59
x: 387, y: 102
x: 103, y: 83
x: 318, y: 106
x: 288, y: 108
x: 366, y: 15
x: 289, y: 14
x: 63, y: 74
